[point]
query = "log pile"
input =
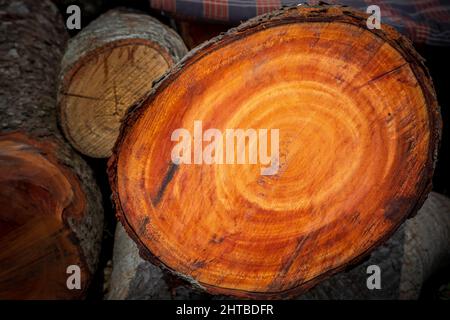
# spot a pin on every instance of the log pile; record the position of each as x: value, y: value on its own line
x: 280, y: 159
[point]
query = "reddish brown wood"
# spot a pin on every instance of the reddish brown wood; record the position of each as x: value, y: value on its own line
x: 359, y: 127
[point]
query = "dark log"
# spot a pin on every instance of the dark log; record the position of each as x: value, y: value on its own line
x: 51, y: 214
x: 195, y: 33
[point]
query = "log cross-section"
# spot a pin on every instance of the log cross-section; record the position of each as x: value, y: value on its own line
x: 358, y: 131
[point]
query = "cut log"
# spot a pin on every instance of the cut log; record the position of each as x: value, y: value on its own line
x: 409, y: 258
x: 358, y: 128
x: 51, y: 214
x: 89, y: 8
x: 107, y: 68
x: 427, y: 245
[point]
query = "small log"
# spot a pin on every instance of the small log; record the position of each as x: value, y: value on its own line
x: 51, y: 214
x: 108, y: 67
x: 195, y: 33
x: 358, y: 127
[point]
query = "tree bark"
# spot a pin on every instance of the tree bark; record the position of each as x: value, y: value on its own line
x: 358, y: 127
x: 107, y: 68
x: 51, y: 214
x: 401, y: 261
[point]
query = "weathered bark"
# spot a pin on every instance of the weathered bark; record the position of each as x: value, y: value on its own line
x: 51, y: 213
x: 401, y: 261
x: 359, y: 127
x: 107, y: 68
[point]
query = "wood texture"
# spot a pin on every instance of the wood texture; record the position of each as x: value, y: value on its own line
x: 418, y: 248
x: 359, y: 128
x: 51, y: 215
x: 195, y: 33
x: 107, y: 67
x: 407, y: 260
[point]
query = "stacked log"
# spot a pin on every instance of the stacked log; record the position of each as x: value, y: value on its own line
x: 358, y: 127
x: 51, y: 216
x: 133, y: 278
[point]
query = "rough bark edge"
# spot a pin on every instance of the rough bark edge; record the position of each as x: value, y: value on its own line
x: 115, y: 28
x: 89, y: 230
x: 133, y: 278
x: 320, y: 13
x: 427, y: 245
x: 128, y: 24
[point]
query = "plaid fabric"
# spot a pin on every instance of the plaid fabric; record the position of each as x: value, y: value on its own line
x: 423, y: 21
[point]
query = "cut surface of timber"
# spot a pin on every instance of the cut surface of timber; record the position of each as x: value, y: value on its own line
x: 358, y: 130
x: 195, y: 33
x: 107, y: 68
x: 51, y: 215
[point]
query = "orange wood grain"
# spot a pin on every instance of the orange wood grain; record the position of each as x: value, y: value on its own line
x: 196, y: 32
x: 358, y: 125
x: 108, y: 67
